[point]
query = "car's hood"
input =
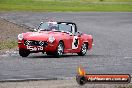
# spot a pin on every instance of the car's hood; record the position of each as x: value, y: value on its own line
x: 41, y: 36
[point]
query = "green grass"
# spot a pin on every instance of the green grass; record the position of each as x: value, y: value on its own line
x: 107, y: 0
x: 61, y: 5
x: 8, y: 44
x: 89, y: 0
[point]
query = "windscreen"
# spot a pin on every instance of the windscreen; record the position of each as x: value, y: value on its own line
x: 48, y: 26
x: 65, y: 28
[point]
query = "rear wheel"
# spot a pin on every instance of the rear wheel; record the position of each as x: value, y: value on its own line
x: 59, y: 50
x: 23, y: 52
x: 83, y: 50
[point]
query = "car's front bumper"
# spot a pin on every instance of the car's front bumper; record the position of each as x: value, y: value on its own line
x: 35, y: 46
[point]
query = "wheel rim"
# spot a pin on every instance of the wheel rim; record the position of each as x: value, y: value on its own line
x: 84, y: 48
x: 60, y: 49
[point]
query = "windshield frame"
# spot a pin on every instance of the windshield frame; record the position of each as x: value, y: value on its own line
x: 50, y: 26
x: 65, y: 30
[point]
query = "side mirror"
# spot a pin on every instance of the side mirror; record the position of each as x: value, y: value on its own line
x: 79, y: 33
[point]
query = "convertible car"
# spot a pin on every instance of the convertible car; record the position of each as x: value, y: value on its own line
x: 54, y: 38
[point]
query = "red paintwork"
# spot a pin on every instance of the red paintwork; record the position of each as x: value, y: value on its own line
x: 66, y: 38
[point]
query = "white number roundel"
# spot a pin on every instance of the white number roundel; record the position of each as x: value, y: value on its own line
x: 75, y: 42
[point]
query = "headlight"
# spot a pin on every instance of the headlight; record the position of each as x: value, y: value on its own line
x: 20, y: 37
x: 51, y: 39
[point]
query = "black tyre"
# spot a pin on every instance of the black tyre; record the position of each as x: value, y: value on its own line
x: 81, y: 80
x: 83, y: 50
x: 60, y: 50
x: 23, y: 52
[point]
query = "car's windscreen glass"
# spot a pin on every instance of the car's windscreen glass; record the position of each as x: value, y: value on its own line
x: 65, y: 28
x: 48, y: 27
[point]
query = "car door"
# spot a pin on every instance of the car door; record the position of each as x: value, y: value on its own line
x: 67, y: 36
x: 71, y: 40
x: 75, y: 40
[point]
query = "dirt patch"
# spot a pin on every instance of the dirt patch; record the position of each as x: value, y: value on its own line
x: 8, y: 35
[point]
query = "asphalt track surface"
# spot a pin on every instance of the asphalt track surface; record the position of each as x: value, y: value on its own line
x: 112, y: 52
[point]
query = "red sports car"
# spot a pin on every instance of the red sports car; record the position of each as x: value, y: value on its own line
x: 54, y: 38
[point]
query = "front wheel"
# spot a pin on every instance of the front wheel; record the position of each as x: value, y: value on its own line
x: 59, y: 50
x: 83, y: 50
x: 23, y: 52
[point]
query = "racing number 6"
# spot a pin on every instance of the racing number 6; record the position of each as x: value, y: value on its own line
x: 75, y: 42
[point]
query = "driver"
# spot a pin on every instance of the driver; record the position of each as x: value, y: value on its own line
x: 53, y: 26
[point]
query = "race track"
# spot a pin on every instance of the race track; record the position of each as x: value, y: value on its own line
x: 112, y: 52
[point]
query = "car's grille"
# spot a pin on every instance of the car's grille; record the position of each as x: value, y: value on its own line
x: 35, y: 43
